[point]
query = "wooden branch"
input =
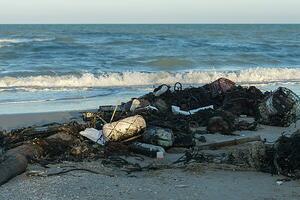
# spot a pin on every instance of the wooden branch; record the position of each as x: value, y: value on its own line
x: 233, y: 142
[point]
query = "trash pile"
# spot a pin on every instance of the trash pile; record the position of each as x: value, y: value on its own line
x: 166, y: 118
x: 286, y: 156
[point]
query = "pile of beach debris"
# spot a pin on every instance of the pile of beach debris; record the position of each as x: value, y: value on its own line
x: 166, y: 118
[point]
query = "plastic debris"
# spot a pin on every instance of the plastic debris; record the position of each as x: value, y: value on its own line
x: 161, y: 90
x: 146, y: 149
x: 286, y: 157
x: 281, y: 108
x: 160, y: 155
x: 124, y: 129
x: 88, y: 116
x: 159, y: 136
x: 151, y: 108
x: 279, y: 182
x: 135, y: 104
x: 282, y: 180
x: 94, y: 135
x: 176, y: 110
x: 139, y: 103
x: 169, y: 119
x: 181, y: 186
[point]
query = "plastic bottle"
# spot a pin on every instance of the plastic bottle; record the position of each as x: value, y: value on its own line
x: 147, y: 149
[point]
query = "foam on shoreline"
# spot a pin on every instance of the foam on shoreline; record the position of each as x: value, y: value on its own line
x: 247, y: 76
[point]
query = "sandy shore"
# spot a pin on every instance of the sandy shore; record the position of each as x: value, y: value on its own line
x: 162, y: 184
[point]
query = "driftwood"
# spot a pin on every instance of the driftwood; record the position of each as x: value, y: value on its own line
x: 22, y: 136
x: 110, y: 108
x: 64, y: 171
x: 233, y: 142
x: 251, y: 156
x: 16, y: 160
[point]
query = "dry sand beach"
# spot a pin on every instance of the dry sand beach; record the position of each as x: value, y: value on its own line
x: 164, y: 184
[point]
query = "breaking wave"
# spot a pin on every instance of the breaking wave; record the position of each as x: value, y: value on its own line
x: 248, y: 76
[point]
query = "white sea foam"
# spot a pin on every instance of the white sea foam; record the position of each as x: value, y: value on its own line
x: 22, y: 40
x: 249, y: 76
x: 4, y: 40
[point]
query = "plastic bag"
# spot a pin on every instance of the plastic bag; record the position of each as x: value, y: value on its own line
x: 94, y: 135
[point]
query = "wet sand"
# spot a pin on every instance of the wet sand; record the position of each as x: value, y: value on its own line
x: 12, y: 121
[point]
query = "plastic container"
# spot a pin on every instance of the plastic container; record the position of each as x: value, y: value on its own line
x: 124, y: 129
x: 161, y: 90
x: 159, y: 136
x: 281, y: 108
x: 135, y: 104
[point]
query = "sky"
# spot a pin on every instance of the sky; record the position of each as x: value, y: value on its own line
x: 149, y: 11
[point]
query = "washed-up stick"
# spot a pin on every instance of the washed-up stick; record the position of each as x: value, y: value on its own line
x: 20, y: 137
x: 132, y: 138
x: 113, y: 115
x: 233, y: 142
x: 44, y: 174
x: 102, y: 119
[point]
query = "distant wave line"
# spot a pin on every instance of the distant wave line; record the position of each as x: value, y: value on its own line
x: 23, y: 40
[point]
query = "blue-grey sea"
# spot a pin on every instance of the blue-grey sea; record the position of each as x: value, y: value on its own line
x: 72, y: 67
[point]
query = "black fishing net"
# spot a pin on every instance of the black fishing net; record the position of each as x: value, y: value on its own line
x: 287, y: 155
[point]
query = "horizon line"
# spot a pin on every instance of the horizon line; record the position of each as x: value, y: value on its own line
x: 171, y: 23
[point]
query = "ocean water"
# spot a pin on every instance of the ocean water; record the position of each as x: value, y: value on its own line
x: 71, y: 67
